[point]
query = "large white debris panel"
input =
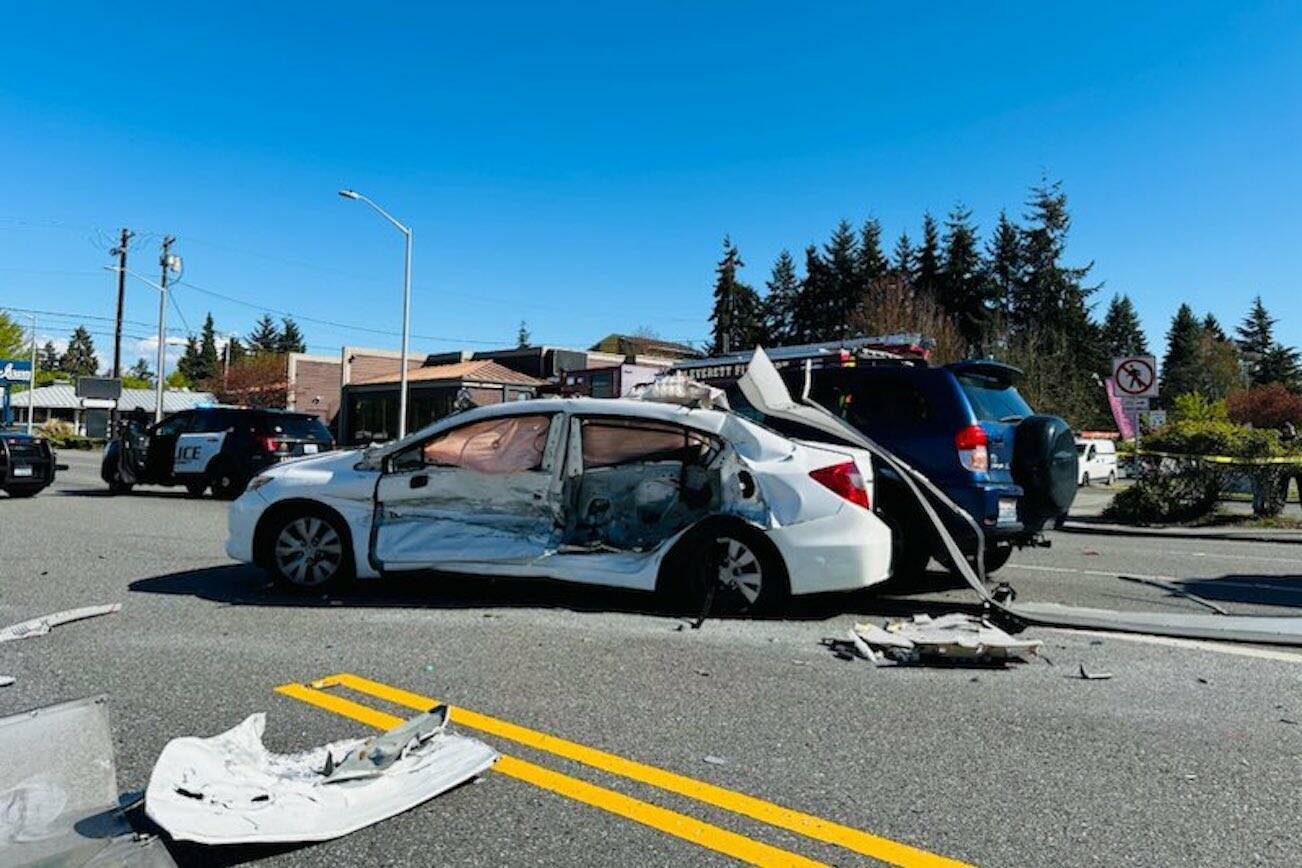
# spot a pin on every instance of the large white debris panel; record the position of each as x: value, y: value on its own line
x: 229, y: 789
x: 956, y: 637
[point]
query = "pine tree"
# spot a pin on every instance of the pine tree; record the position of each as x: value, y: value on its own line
x: 1256, y: 334
x: 814, y: 289
x: 905, y: 259
x: 1218, y: 361
x: 845, y: 289
x: 1267, y: 360
x: 778, y: 310
x: 209, y: 363
x: 736, y: 305
x: 48, y: 357
x: 872, y: 262
x: 265, y: 337
x: 963, y: 288
x: 1182, y: 364
x: 141, y: 371
x: 1050, y: 297
x: 13, y: 339
x: 1212, y: 326
x: 79, y: 359
x: 1280, y: 365
x: 1122, y: 333
x: 522, y: 336
x: 1003, y: 264
x: 190, y: 364
x: 927, y: 279
x: 291, y: 339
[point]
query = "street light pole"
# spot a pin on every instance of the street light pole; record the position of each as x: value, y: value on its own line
x: 162, y: 332
x: 406, y: 305
x: 31, y: 387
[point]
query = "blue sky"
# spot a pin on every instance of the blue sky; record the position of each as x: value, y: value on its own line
x: 577, y: 166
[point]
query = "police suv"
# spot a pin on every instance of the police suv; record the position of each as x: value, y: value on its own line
x: 221, y: 447
x: 27, y: 463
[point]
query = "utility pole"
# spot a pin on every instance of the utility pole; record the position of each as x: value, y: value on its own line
x: 31, y: 387
x: 165, y: 262
x: 121, y: 251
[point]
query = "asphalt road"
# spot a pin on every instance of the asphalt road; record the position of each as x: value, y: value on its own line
x: 1190, y: 754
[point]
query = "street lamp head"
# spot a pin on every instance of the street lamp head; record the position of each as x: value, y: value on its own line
x: 348, y: 194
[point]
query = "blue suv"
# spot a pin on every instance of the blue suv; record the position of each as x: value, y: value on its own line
x: 964, y: 426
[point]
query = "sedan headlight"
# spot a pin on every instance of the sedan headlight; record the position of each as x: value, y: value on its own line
x: 258, y: 481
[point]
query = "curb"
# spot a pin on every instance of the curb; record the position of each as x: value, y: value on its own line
x: 1101, y: 528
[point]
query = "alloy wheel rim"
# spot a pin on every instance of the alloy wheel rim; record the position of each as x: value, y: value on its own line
x: 308, y: 551
x: 739, y: 569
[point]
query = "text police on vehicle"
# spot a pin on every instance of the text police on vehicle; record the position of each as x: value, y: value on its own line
x: 221, y: 447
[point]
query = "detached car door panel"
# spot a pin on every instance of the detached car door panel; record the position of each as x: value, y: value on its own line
x: 483, y: 492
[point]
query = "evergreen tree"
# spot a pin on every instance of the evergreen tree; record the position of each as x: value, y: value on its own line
x: 141, y: 371
x: 47, y: 358
x: 905, y: 259
x: 1267, y: 360
x: 1003, y: 264
x: 810, y: 315
x: 13, y: 339
x: 872, y: 262
x: 927, y: 279
x: 291, y: 339
x: 963, y: 287
x: 190, y: 365
x: 1182, y: 364
x: 209, y: 363
x: 1050, y: 297
x: 235, y: 350
x: 736, y: 305
x: 1122, y: 333
x: 1218, y: 362
x: 845, y: 289
x: 778, y: 310
x: 265, y: 337
x: 79, y: 359
x: 522, y: 336
x: 1212, y: 326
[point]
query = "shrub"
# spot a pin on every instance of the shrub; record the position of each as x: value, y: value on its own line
x: 1195, y: 407
x: 62, y: 435
x: 1268, y: 406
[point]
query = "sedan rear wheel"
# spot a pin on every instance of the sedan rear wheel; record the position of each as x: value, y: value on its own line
x: 309, y: 553
x: 725, y: 569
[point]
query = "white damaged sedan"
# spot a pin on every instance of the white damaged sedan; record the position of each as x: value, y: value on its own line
x: 625, y: 493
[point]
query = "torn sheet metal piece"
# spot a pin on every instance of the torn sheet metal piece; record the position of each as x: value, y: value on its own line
x: 59, y: 794
x: 42, y: 625
x: 764, y: 388
x: 952, y: 637
x: 229, y: 789
x: 682, y: 390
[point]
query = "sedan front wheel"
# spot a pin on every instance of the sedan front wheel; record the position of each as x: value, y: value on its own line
x: 310, y: 552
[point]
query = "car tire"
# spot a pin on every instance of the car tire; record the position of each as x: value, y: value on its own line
x: 227, y: 481
x: 743, y: 566
x: 22, y: 492
x: 196, y: 489
x: 1112, y: 479
x: 1085, y: 480
x: 309, y: 550
x: 996, y: 556
x: 117, y: 486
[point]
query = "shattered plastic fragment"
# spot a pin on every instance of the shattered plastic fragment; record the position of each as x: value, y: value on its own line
x: 950, y: 637
x: 6, y: 680
x: 42, y: 625
x: 229, y: 789
x: 1086, y: 675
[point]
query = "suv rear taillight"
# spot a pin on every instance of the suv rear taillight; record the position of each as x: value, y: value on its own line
x: 971, y: 445
x: 845, y: 480
x: 267, y: 443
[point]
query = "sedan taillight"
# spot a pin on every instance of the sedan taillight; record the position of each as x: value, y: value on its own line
x: 844, y: 480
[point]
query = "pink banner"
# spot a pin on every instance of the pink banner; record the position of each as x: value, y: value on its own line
x: 1125, y: 424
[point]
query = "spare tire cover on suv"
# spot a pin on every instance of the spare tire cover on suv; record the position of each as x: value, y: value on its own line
x: 1044, y: 465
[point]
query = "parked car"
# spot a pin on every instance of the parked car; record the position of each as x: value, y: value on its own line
x: 1096, y: 460
x: 27, y: 463
x: 965, y: 426
x: 221, y: 447
x: 619, y: 492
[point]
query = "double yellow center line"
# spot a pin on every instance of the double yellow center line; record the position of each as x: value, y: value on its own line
x: 670, y: 822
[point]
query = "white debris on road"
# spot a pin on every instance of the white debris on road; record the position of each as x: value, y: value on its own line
x: 229, y: 789
x: 42, y: 625
x: 954, y: 636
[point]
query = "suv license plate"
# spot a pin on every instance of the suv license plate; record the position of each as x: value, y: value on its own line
x: 1007, y: 511
x: 22, y: 471
x: 309, y: 448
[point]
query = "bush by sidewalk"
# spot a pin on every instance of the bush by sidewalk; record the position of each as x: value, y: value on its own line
x: 1182, y: 485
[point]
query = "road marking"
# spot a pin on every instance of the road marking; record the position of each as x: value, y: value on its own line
x: 884, y: 849
x: 662, y: 819
x: 1195, y: 644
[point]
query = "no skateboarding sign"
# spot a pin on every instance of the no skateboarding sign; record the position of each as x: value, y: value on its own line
x: 1135, y: 376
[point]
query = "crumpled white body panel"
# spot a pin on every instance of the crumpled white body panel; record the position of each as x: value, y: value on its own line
x: 955, y: 636
x: 229, y: 789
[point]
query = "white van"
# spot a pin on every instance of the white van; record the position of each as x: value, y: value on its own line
x: 1096, y: 460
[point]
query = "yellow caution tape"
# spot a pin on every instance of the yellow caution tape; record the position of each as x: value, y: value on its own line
x: 1218, y: 459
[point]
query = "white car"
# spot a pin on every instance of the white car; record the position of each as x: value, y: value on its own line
x: 1096, y: 460
x: 625, y: 493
